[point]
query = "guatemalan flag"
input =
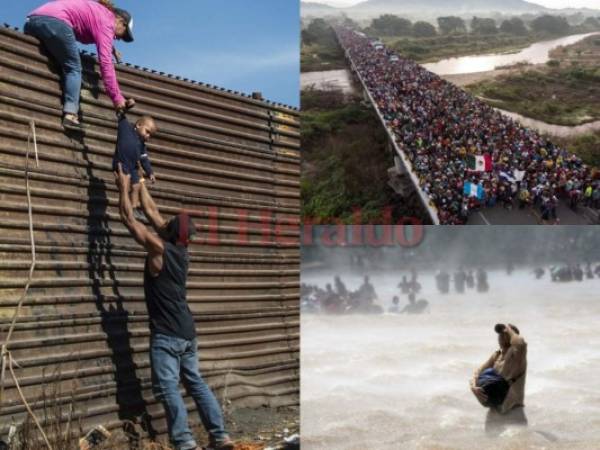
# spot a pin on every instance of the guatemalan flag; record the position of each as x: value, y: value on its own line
x: 479, y: 163
x: 473, y: 190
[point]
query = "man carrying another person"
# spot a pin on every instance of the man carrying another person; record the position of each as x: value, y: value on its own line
x: 173, y: 344
x: 500, y: 382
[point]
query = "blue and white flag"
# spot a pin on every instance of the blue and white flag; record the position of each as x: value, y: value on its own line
x: 507, y: 177
x: 473, y: 190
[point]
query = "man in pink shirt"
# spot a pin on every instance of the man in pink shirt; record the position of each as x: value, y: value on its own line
x: 60, y: 24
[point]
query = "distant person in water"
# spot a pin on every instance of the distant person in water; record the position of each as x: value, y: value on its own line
x: 404, y: 285
x: 414, y: 307
x: 367, y: 291
x: 499, y: 383
x: 340, y: 287
x: 442, y: 280
x: 395, y: 308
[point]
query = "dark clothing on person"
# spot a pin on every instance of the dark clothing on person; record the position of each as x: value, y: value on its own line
x: 494, y: 386
x: 166, y: 295
x: 130, y: 150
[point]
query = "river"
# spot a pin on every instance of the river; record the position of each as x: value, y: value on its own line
x: 458, y: 70
x: 537, y: 53
x: 551, y: 129
x: 327, y: 80
x: 401, y: 381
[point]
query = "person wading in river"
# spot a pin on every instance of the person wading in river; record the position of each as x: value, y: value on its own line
x: 173, y: 344
x: 500, y: 382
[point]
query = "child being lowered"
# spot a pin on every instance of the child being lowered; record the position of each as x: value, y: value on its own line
x: 131, y: 150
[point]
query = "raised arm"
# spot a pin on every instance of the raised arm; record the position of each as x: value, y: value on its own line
x: 150, y: 208
x: 104, y: 44
x: 152, y: 243
x: 516, y: 356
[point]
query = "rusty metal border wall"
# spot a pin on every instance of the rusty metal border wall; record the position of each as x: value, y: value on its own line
x: 82, y: 336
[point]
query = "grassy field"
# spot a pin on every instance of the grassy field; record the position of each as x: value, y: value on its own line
x: 317, y: 57
x: 586, y: 146
x: 569, y: 96
x: 345, y: 162
x: 424, y: 50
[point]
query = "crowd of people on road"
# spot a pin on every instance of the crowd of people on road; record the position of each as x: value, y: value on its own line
x: 441, y: 129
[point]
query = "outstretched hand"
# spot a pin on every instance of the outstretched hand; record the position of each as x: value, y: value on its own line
x: 123, y: 180
x: 124, y: 106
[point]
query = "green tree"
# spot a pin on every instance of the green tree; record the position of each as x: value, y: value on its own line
x: 423, y: 29
x: 483, y: 26
x: 390, y: 25
x: 550, y: 24
x: 451, y: 24
x: 316, y: 31
x: 591, y: 23
x: 513, y: 26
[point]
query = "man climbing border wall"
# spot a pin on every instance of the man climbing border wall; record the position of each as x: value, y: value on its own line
x: 59, y: 25
x: 173, y: 345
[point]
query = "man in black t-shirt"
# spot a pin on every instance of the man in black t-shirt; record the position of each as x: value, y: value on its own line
x: 173, y: 346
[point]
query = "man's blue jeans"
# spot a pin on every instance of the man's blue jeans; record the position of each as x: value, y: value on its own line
x: 170, y: 356
x: 59, y: 39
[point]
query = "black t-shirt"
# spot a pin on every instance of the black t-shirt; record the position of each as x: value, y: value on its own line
x: 166, y: 295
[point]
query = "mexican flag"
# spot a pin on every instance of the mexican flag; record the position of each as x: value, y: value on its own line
x: 479, y: 163
x: 473, y: 190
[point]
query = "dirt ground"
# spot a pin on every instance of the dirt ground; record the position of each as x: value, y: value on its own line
x: 251, y: 429
x: 266, y: 426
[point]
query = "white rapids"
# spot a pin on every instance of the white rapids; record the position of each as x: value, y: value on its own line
x: 401, y: 381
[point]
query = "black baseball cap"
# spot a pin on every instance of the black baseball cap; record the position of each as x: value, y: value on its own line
x: 128, y: 21
x: 499, y: 328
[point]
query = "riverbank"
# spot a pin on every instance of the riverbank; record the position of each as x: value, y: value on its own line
x: 320, y: 57
x: 328, y: 80
x: 433, y: 49
x: 564, y: 92
x: 569, y: 96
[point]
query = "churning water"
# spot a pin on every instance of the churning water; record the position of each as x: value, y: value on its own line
x: 401, y: 381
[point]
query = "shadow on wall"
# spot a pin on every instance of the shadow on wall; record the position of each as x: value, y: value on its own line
x: 113, y: 313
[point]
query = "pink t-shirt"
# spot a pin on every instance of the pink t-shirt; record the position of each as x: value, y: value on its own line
x: 92, y: 23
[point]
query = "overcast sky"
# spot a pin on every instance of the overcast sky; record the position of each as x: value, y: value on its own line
x: 594, y: 4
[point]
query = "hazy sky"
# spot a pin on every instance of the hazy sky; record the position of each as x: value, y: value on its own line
x: 594, y: 4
